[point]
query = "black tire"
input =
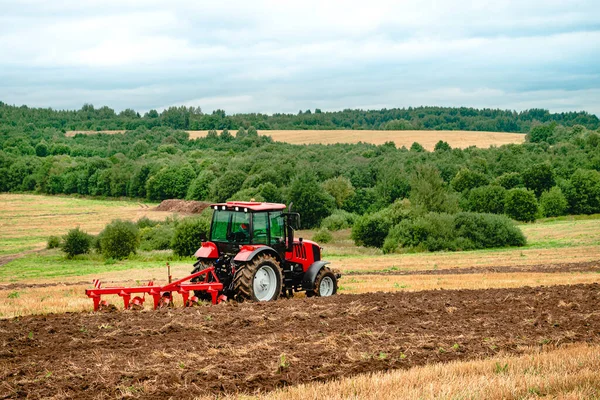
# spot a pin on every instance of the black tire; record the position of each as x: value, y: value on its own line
x: 325, y: 272
x: 243, y: 282
x: 199, y: 266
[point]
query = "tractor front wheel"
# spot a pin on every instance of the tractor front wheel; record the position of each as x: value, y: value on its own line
x: 325, y: 284
x: 259, y: 279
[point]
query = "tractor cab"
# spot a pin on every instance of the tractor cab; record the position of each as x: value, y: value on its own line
x: 235, y: 224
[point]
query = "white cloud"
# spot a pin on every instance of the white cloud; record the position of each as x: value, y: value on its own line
x: 281, y: 56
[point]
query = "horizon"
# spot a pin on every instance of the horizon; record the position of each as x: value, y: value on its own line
x: 277, y: 58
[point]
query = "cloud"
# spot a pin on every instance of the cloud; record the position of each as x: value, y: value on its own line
x: 273, y: 56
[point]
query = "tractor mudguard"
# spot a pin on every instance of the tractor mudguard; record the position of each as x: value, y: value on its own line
x: 207, y: 250
x: 248, y: 252
x: 308, y: 282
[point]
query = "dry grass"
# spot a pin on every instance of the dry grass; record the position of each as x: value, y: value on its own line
x: 565, y: 373
x: 428, y: 139
x: 26, y: 221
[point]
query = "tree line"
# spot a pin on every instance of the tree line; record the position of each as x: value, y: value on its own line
x: 380, y: 190
x: 192, y: 118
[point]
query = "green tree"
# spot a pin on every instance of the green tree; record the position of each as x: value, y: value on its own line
x: 340, y: 188
x: 584, y: 192
x: 510, y: 180
x: 227, y: 185
x: 539, y: 178
x: 416, y: 147
x: 241, y: 133
x: 442, y: 146
x: 171, y: 182
x: 467, y: 180
x: 200, y: 187
x: 41, y: 149
x: 429, y: 193
x: 487, y: 199
x: 310, y: 200
x: 521, y: 204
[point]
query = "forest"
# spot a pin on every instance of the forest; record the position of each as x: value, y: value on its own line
x: 393, y: 198
x: 192, y: 118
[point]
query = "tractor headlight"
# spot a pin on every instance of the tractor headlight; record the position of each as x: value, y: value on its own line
x: 223, y: 208
x: 245, y: 210
x: 237, y: 209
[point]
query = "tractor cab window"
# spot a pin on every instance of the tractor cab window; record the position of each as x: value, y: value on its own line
x: 277, y: 230
x: 260, y: 228
x: 230, y: 226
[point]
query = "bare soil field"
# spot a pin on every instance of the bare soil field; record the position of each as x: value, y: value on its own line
x: 254, y: 347
x: 182, y: 206
x: 428, y: 139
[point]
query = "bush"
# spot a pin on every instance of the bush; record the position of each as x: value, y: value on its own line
x: 146, y: 222
x: 158, y: 237
x: 339, y: 220
x: 76, y: 242
x: 371, y: 230
x: 340, y: 188
x: 119, y: 239
x: 429, y: 193
x: 488, y: 230
x: 188, y: 235
x: 553, y: 203
x: 521, y: 204
x: 487, y: 199
x: 462, y: 231
x: 227, y: 185
x: 53, y: 242
x: 322, y: 236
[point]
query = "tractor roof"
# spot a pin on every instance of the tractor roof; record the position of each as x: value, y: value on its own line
x: 250, y: 205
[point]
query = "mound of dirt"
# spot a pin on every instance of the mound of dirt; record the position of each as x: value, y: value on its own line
x: 182, y: 206
x: 257, y: 347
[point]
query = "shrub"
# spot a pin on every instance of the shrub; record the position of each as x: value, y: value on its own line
x: 171, y: 182
x: 553, y: 203
x: 466, y: 179
x: 487, y: 199
x: 371, y: 230
x: 146, y: 222
x: 488, y: 230
x: 521, y: 204
x: 361, y: 201
x: 188, y: 235
x: 462, y: 231
x: 227, y: 185
x: 119, y: 239
x: 76, y: 242
x: 158, y: 237
x: 322, y: 236
x: 339, y: 220
x: 53, y: 242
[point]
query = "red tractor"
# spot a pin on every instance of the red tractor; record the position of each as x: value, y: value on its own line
x: 250, y: 254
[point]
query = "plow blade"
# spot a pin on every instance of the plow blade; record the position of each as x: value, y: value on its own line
x: 162, y: 295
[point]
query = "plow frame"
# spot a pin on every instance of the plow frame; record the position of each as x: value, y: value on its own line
x: 214, y: 288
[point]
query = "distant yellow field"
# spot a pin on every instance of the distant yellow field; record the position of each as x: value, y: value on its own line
x: 428, y: 139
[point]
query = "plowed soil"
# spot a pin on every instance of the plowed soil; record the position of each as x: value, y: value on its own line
x: 252, y: 347
x: 182, y: 206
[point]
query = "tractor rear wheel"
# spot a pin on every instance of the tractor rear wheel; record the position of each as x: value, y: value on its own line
x: 325, y: 284
x: 259, y: 279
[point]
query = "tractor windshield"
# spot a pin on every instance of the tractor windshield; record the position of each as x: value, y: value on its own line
x: 230, y: 226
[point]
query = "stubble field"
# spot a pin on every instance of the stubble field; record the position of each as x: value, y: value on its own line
x: 493, y: 323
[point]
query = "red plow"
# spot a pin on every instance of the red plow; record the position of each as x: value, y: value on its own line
x: 162, y: 295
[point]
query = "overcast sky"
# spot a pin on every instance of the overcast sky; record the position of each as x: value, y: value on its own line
x: 282, y: 56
